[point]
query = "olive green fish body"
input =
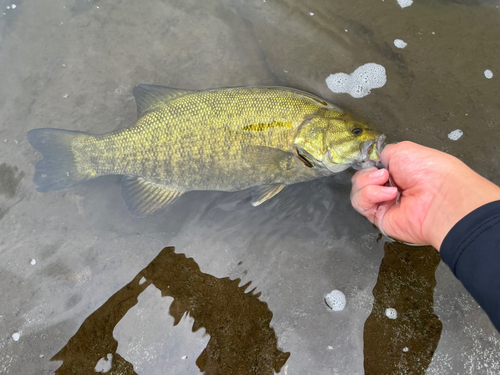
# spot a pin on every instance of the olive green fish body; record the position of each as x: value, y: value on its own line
x: 220, y: 139
x: 203, y: 141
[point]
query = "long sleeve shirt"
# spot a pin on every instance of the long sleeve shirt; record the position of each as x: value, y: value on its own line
x: 472, y: 250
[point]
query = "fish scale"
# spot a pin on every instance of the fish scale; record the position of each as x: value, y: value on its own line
x: 220, y: 139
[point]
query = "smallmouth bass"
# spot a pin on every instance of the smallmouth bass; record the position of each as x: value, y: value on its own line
x: 225, y: 139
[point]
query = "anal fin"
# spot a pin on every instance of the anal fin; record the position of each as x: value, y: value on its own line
x: 144, y: 197
x: 262, y: 193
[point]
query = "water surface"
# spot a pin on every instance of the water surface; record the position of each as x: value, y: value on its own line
x: 294, y: 249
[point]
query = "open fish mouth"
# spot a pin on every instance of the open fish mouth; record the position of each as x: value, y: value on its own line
x: 370, y: 153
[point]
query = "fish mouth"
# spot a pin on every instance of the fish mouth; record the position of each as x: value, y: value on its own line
x: 370, y: 153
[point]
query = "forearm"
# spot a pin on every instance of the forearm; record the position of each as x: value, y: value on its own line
x: 472, y: 250
x: 464, y: 192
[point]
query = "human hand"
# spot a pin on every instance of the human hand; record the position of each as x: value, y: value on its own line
x: 437, y: 190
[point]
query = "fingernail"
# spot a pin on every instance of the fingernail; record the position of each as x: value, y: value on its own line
x: 377, y: 174
x: 389, y: 190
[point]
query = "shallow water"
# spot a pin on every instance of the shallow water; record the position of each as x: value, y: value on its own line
x: 294, y: 249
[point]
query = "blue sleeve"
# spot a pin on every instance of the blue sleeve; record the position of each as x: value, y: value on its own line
x: 472, y: 250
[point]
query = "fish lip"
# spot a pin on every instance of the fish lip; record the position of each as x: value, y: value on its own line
x: 381, y: 142
x: 366, y: 149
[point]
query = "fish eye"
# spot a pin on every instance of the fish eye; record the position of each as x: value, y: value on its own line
x: 357, y: 131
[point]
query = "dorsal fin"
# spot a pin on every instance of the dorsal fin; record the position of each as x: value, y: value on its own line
x: 148, y: 97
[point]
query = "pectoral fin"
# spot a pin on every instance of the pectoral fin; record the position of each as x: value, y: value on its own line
x: 143, y: 197
x: 262, y: 193
x: 270, y: 159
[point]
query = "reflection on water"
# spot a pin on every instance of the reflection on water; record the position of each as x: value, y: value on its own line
x: 241, y: 340
x: 406, y: 282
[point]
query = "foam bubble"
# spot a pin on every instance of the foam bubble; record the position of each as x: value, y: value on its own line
x: 391, y: 313
x: 335, y: 300
x: 16, y: 336
x: 455, y: 135
x: 360, y: 82
x: 406, y: 349
x: 488, y: 74
x: 405, y: 3
x: 33, y: 262
x: 400, y: 43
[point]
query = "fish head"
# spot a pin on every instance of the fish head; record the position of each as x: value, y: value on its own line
x: 337, y: 143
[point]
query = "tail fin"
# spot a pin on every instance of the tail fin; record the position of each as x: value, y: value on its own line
x: 58, y: 169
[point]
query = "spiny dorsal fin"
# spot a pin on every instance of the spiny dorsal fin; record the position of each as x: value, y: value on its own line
x: 262, y: 193
x: 143, y: 197
x: 148, y: 97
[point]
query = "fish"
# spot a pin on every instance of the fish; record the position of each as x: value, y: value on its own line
x: 225, y: 139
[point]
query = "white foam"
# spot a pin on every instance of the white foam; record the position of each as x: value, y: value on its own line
x: 360, y: 82
x: 405, y: 3
x: 400, y: 43
x: 391, y: 313
x: 311, y: 14
x: 406, y: 349
x: 455, y: 135
x: 16, y: 336
x: 336, y: 300
x: 13, y: 6
x: 488, y: 74
x: 33, y: 262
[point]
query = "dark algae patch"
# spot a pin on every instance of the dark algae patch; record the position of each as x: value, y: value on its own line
x: 10, y: 179
x: 241, y: 340
x: 406, y: 282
